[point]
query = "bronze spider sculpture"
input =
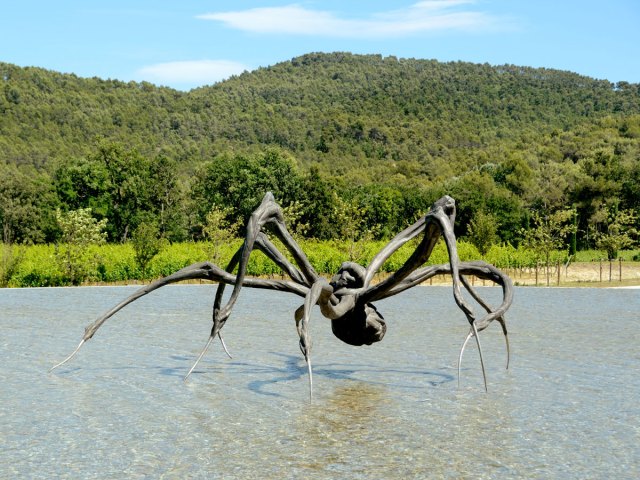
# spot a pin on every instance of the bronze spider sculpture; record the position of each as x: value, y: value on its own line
x: 346, y: 299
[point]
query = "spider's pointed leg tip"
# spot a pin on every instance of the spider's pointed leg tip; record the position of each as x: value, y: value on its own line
x: 464, y: 345
x: 508, y: 352
x: 484, y: 373
x: 69, y: 357
x: 503, y: 324
x: 204, y: 350
x: 310, y: 372
x: 224, y: 346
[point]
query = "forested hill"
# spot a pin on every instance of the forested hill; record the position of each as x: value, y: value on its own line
x: 342, y: 110
x: 378, y: 136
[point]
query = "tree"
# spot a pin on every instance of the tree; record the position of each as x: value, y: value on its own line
x: 382, y: 206
x: 166, y: 198
x: 240, y: 182
x: 218, y: 231
x: 129, y: 187
x: 83, y: 183
x: 317, y: 205
x: 477, y: 191
x: 293, y: 217
x: 549, y: 233
x: 351, y: 224
x: 126, y: 188
x: 483, y: 231
x: 616, y: 230
x: 27, y: 205
x: 79, y: 231
x: 147, y: 243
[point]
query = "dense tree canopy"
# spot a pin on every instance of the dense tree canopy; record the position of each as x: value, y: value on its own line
x: 383, y: 135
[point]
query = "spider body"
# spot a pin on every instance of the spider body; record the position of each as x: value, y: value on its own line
x: 346, y: 300
x: 363, y: 325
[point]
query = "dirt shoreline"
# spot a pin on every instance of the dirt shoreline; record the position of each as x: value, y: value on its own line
x: 581, y: 274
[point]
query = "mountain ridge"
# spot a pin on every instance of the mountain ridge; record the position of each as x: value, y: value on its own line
x: 320, y: 107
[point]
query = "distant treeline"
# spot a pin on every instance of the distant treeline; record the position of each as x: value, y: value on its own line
x: 352, y: 146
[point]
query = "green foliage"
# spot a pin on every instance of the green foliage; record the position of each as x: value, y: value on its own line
x: 240, y: 182
x: 146, y: 244
x: 350, y: 219
x: 27, y: 205
x: 385, y: 134
x: 476, y: 191
x: 617, y: 230
x: 79, y: 231
x: 293, y: 218
x: 482, y: 231
x: 11, y: 257
x: 39, y: 268
x: 549, y: 232
x: 124, y: 187
x: 218, y: 232
x: 36, y: 265
x: 80, y: 228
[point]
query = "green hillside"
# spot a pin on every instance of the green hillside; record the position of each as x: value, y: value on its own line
x: 381, y: 135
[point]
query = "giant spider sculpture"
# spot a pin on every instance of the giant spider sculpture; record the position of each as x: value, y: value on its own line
x: 346, y: 299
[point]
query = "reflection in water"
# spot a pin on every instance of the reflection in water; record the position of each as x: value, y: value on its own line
x: 343, y: 424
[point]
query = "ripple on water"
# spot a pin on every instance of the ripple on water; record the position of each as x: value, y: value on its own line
x: 567, y: 408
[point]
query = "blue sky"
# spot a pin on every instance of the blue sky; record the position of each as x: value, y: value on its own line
x: 189, y: 43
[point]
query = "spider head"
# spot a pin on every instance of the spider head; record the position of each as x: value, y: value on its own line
x: 448, y: 206
x: 350, y: 275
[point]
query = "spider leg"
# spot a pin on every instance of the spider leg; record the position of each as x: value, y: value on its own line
x: 484, y: 374
x: 224, y: 346
x: 439, y: 222
x: 302, y: 323
x: 481, y: 270
x: 271, y: 251
x: 464, y: 345
x: 473, y: 332
x: 73, y: 354
x: 320, y: 292
x: 204, y: 350
x: 202, y: 270
x: 481, y: 301
x: 218, y: 299
x: 269, y: 212
x: 276, y: 256
x: 503, y: 324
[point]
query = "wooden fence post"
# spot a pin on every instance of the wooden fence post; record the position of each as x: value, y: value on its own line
x: 601, y: 270
x: 610, y: 268
x: 620, y: 268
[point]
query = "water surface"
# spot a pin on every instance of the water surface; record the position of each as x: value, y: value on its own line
x: 568, y: 406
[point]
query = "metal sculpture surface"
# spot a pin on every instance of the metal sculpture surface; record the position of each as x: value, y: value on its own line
x: 347, y: 299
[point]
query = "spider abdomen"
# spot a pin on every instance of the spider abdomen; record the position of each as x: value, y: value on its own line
x: 363, y: 325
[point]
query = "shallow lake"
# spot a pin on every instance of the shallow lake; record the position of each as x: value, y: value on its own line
x: 568, y: 407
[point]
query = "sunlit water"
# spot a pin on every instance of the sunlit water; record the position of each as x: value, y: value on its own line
x: 568, y: 407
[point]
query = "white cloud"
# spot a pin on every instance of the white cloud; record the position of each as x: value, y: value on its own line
x: 424, y: 16
x: 196, y: 72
